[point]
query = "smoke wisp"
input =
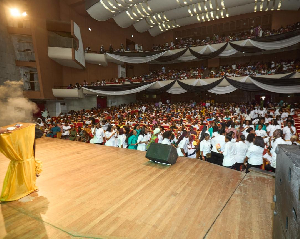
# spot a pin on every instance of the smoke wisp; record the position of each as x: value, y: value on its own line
x: 14, y: 107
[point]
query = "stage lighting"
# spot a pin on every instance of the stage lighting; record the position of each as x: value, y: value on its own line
x: 24, y: 14
x: 15, y: 12
x: 90, y: 29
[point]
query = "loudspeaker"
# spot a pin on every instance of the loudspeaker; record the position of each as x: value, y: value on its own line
x: 287, y: 193
x: 162, y: 153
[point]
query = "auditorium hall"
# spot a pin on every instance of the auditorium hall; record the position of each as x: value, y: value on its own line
x: 150, y: 119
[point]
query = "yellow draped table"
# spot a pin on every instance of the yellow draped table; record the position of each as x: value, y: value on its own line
x: 18, y: 146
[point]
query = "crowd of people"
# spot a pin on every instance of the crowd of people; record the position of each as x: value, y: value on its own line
x: 234, y: 70
x: 232, y: 135
x: 252, y: 33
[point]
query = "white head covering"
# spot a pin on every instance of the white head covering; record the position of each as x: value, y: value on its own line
x: 156, y: 131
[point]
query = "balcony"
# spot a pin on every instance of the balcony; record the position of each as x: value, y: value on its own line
x: 67, y: 93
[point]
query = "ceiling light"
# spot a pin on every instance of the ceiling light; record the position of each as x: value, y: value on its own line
x: 15, y: 12
x: 90, y: 29
x: 131, y: 35
x: 24, y: 14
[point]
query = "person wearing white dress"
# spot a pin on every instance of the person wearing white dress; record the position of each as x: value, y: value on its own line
x: 229, y: 152
x: 142, y: 140
x: 254, y: 155
x: 110, y: 136
x: 98, y: 135
x: 121, y: 139
x: 241, y: 151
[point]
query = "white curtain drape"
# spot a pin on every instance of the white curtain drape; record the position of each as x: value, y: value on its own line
x: 137, y: 59
x: 275, y: 45
x: 220, y: 90
x: 191, y: 57
x: 278, y: 89
x: 124, y: 92
x: 176, y: 89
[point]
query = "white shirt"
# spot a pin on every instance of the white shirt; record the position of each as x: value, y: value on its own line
x: 160, y: 138
x: 261, y: 133
x: 287, y: 132
x: 142, y: 138
x: 112, y: 140
x: 219, y: 139
x: 66, y: 130
x: 99, y: 134
x: 205, y: 147
x: 241, y: 151
x: 121, y: 141
x: 166, y: 141
x: 183, y: 144
x: 274, y: 145
x: 255, y: 155
x: 284, y: 115
x: 229, y: 154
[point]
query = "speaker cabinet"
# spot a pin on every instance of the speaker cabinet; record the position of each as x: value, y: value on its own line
x: 287, y: 193
x: 162, y: 153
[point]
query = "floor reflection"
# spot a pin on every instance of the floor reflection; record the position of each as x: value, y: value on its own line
x: 22, y: 219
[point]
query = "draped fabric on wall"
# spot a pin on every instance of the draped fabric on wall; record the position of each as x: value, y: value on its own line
x: 124, y: 92
x: 288, y: 75
x: 286, y: 84
x: 204, y: 86
x: 279, y: 37
x: 135, y: 59
x: 172, y: 57
x: 277, y: 89
x: 276, y: 45
x: 138, y: 54
x: 246, y: 49
x: 210, y: 55
x: 162, y: 88
x: 277, y: 82
x: 210, y: 51
x: 117, y: 87
x: 219, y: 90
x: 242, y: 85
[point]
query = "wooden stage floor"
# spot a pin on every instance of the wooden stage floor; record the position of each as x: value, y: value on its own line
x: 92, y: 191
